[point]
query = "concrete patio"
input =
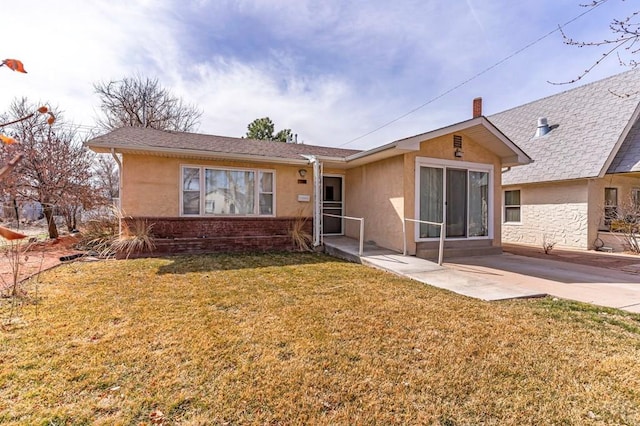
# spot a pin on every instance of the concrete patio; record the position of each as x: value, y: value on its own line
x: 505, y: 276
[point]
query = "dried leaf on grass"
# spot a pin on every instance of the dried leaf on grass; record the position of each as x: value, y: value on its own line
x: 10, y: 235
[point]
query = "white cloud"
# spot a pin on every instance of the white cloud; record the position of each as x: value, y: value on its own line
x: 67, y: 46
x: 331, y: 70
x: 233, y: 94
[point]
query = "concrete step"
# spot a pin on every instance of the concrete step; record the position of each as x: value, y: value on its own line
x: 432, y: 254
x: 341, y: 253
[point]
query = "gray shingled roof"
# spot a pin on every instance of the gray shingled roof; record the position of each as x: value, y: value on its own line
x: 587, y: 124
x: 146, y: 139
x: 628, y: 157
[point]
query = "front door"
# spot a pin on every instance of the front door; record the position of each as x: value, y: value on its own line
x: 456, y: 204
x: 332, y: 205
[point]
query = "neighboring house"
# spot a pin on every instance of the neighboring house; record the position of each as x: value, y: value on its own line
x: 585, y: 146
x: 210, y: 193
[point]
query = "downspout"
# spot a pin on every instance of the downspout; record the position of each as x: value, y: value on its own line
x: 317, y: 199
x: 319, y: 203
x: 119, y: 163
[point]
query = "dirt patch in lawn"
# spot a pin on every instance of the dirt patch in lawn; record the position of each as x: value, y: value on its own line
x: 40, y: 256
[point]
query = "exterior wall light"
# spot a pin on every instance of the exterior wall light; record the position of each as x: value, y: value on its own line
x: 302, y: 172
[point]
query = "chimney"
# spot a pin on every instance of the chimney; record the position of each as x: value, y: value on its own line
x: 543, y: 127
x: 477, y: 107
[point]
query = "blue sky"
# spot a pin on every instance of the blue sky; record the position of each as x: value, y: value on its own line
x: 330, y: 70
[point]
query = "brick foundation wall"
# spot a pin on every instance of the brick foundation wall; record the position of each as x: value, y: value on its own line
x: 180, y: 235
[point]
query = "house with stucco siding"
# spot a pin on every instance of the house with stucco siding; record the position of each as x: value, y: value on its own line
x: 205, y: 193
x: 585, y: 147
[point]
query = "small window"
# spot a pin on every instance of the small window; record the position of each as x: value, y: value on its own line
x: 512, y: 206
x: 191, y: 191
x: 610, y: 205
x: 635, y: 197
x: 265, y: 193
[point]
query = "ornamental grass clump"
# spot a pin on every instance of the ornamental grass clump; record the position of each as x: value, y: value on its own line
x: 136, y: 237
x: 99, y: 232
x: 300, y: 238
x: 102, y: 234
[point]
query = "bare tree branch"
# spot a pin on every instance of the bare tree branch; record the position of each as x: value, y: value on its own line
x: 626, y: 36
x: 138, y: 102
x: 55, y: 164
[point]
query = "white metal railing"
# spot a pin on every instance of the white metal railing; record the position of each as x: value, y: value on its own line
x: 361, y: 220
x: 404, y: 236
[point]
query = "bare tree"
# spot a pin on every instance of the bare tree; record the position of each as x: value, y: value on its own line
x: 625, y: 42
x: 55, y: 163
x: 625, y: 220
x: 143, y: 102
x: 106, y: 176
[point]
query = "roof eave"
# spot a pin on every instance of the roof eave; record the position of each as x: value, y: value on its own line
x: 515, y: 160
x: 171, y: 152
x: 517, y: 156
x: 520, y: 158
x: 377, y: 154
x: 333, y: 162
x: 620, y: 141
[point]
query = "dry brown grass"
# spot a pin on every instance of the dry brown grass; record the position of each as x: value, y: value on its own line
x: 135, y: 238
x: 300, y: 238
x: 305, y: 339
x: 102, y: 235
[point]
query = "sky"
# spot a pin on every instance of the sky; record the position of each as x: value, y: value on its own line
x: 336, y: 72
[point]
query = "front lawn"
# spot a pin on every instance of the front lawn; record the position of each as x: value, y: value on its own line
x: 305, y: 339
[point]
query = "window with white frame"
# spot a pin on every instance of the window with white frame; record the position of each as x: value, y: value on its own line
x: 512, y: 206
x: 610, y: 205
x: 457, y: 193
x: 223, y: 191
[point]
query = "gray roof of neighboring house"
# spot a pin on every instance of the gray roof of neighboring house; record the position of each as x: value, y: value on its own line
x: 628, y: 157
x: 589, y: 124
x: 146, y: 139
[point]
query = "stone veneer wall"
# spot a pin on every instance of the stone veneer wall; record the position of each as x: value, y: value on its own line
x: 557, y: 213
x: 181, y: 235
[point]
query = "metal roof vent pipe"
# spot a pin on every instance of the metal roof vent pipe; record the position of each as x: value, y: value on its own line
x: 543, y: 127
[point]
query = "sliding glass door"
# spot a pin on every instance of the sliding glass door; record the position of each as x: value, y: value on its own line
x: 431, y: 200
x: 456, y: 205
x: 460, y: 195
x: 478, y: 204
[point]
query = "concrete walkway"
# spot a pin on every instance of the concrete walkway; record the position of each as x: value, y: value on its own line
x: 583, y: 283
x: 425, y: 271
x: 505, y: 276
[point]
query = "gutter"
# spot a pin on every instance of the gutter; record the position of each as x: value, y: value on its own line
x: 367, y: 153
x: 208, y: 154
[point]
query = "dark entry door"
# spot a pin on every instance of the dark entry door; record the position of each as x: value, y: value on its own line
x: 456, y: 203
x: 332, y: 204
